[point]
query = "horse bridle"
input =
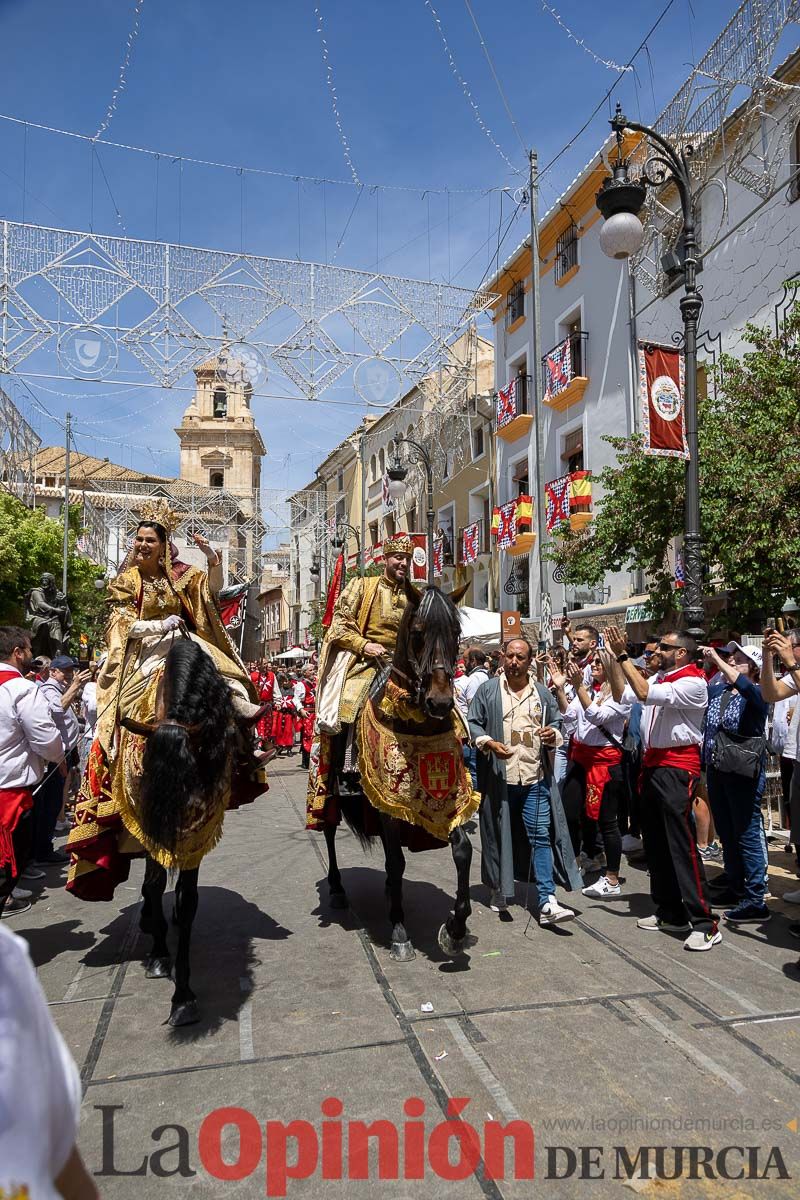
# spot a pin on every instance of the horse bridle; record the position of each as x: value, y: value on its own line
x: 416, y: 681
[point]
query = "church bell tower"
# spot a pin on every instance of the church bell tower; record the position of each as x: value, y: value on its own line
x: 221, y: 446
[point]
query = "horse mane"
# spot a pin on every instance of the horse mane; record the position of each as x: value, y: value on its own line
x: 442, y: 626
x: 187, y: 761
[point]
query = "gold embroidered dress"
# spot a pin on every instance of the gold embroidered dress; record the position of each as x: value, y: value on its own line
x: 107, y: 830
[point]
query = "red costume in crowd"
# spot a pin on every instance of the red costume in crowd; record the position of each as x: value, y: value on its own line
x: 266, y: 687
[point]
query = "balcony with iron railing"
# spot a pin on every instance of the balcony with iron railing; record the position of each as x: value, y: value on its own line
x: 513, y: 405
x: 476, y: 543
x: 574, y: 492
x: 564, y: 371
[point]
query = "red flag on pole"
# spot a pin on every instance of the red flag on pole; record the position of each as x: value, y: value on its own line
x: 661, y: 392
x: 334, y: 590
x: 419, y: 558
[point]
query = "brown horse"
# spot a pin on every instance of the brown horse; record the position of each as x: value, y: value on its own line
x: 414, y: 789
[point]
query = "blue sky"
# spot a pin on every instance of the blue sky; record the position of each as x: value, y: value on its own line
x: 245, y: 83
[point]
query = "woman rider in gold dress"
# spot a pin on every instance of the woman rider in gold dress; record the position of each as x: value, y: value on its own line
x: 154, y: 599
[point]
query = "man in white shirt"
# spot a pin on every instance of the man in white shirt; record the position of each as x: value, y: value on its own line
x: 60, y: 690
x: 675, y: 703
x: 28, y: 738
x: 40, y: 1090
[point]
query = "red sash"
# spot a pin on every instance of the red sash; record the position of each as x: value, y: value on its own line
x: 684, y: 758
x: 597, y: 762
x: 13, y: 803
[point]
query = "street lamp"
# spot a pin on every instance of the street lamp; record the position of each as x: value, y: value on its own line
x: 620, y: 201
x: 339, y: 541
x: 397, y: 474
x: 314, y: 570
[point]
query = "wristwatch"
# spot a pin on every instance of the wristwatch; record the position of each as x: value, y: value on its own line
x: 621, y: 658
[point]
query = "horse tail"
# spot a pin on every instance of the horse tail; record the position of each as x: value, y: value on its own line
x: 187, y: 758
x: 352, y: 806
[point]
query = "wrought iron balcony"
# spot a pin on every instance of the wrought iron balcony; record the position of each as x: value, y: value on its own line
x: 564, y: 371
x: 513, y: 404
x: 569, y: 498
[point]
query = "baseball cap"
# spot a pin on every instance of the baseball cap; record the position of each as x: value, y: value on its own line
x: 752, y: 652
x: 63, y: 662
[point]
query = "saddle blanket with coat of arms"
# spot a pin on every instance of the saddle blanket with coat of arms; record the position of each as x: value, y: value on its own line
x: 416, y: 778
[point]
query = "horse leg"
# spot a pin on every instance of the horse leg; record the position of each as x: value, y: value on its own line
x: 184, y: 1005
x: 158, y: 964
x: 453, y: 932
x: 401, y: 948
x: 336, y: 892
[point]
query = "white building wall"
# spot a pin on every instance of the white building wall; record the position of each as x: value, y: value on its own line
x: 748, y: 253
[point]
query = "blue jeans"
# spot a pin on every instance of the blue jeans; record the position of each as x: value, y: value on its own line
x: 471, y: 760
x: 560, y: 763
x: 534, y: 800
x: 736, y: 807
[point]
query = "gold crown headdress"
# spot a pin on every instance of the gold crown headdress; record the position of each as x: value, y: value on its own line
x: 399, y: 544
x: 160, y: 512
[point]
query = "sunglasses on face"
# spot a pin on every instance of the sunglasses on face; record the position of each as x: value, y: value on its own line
x: 667, y: 646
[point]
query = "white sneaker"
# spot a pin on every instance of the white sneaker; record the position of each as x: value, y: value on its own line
x: 655, y: 925
x: 698, y: 939
x: 553, y: 912
x: 497, y: 902
x: 791, y: 897
x: 602, y: 889
x: 631, y: 845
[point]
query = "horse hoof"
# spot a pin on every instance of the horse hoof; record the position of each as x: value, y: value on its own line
x: 402, y: 952
x: 339, y: 900
x: 449, y: 945
x: 186, y: 1013
x: 158, y: 968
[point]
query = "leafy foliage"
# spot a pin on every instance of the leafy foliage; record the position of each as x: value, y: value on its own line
x: 32, y: 543
x: 749, y: 431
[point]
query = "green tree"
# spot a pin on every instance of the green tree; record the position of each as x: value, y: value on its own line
x: 32, y: 543
x: 748, y: 429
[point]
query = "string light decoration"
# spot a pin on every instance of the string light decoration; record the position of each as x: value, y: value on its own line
x: 693, y: 121
x: 58, y: 288
x: 467, y: 93
x: 122, y: 81
x: 19, y: 444
x: 348, y: 158
x: 603, y: 62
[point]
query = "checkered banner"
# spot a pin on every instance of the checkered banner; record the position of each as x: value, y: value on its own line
x: 557, y: 497
x: 470, y: 541
x: 507, y: 403
x: 557, y: 370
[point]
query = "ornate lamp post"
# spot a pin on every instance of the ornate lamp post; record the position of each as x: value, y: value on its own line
x: 339, y: 541
x: 620, y: 200
x: 397, y: 474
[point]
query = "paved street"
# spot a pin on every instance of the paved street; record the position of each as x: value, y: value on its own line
x: 568, y: 1029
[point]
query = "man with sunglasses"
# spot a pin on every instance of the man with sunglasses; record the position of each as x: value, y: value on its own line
x: 675, y: 702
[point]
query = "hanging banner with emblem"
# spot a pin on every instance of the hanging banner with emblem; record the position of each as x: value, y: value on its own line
x: 661, y: 393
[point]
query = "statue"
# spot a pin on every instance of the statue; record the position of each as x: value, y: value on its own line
x: 47, y: 613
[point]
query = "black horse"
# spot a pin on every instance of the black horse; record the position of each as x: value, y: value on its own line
x: 422, y: 673
x: 197, y: 756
